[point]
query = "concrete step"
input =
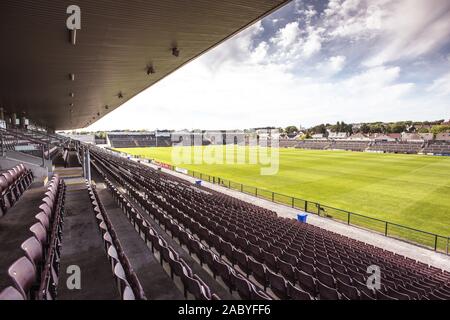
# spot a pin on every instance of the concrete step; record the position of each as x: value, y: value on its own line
x: 74, y: 172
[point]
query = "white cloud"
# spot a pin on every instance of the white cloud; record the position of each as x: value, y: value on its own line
x: 250, y: 95
x: 440, y: 86
x: 330, y: 67
x: 337, y: 63
x: 259, y: 55
x: 412, y: 28
x: 313, y: 43
x: 280, y: 81
x: 287, y: 35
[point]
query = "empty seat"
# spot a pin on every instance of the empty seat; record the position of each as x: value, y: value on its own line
x: 39, y: 232
x: 327, y: 293
x: 242, y: 261
x: 295, y: 293
x: 306, y: 282
x: 277, y: 284
x: 128, y: 294
x: 348, y: 291
x: 258, y: 271
x: 23, y: 274
x: 326, y: 278
x: 241, y: 285
x: 33, y: 250
x: 287, y: 270
x: 383, y: 296
x: 271, y: 261
x: 43, y: 219
x: 11, y: 293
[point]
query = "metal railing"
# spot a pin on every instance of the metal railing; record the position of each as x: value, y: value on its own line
x: 422, y: 238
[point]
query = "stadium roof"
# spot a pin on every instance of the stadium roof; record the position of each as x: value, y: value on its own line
x: 61, y: 85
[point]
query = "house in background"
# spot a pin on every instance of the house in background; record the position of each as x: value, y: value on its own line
x: 411, y: 137
x: 318, y: 136
x: 359, y: 137
x: 396, y: 136
x: 443, y: 136
x: 426, y: 136
x: 337, y: 135
x: 383, y: 137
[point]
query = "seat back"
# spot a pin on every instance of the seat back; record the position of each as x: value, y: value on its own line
x: 296, y: 293
x: 23, y: 273
x: 11, y: 293
x: 327, y: 293
x: 43, y: 219
x: 39, y: 232
x: 33, y: 250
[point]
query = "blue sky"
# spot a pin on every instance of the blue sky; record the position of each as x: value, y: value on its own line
x: 310, y: 62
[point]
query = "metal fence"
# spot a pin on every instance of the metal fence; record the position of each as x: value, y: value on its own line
x: 422, y: 238
x: 389, y: 229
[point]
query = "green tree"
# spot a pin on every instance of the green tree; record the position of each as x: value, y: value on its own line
x: 291, y: 129
x: 440, y: 128
x: 365, y: 128
x: 397, y: 127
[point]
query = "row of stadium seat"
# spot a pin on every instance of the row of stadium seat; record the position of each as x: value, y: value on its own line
x: 431, y: 147
x: 437, y: 147
x: 350, y: 145
x: 13, y: 183
x: 128, y: 283
x: 290, y: 254
x: 34, y: 275
x: 192, y: 282
x: 235, y: 280
x: 397, y: 147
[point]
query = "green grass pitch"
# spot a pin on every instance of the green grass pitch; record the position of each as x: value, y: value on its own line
x: 411, y: 190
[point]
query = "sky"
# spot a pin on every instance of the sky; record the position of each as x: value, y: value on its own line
x: 308, y: 63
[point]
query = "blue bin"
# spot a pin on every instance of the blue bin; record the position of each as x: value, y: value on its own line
x: 198, y: 182
x: 302, y: 217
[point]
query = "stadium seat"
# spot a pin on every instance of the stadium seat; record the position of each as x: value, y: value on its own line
x: 39, y: 232
x: 327, y: 293
x: 33, y: 251
x: 295, y: 293
x: 23, y: 273
x: 306, y: 282
x: 348, y: 291
x: 277, y: 284
x: 11, y: 293
x: 241, y: 285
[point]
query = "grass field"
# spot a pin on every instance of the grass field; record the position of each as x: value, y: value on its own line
x: 411, y: 190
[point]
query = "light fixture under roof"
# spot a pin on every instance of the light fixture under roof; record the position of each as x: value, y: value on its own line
x: 150, y: 70
x: 72, y: 94
x: 120, y: 95
x: 175, y: 51
x: 72, y: 76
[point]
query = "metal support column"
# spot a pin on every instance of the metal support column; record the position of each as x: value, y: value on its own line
x: 2, y: 145
x: 43, y: 155
x: 88, y: 166
x: 83, y: 164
